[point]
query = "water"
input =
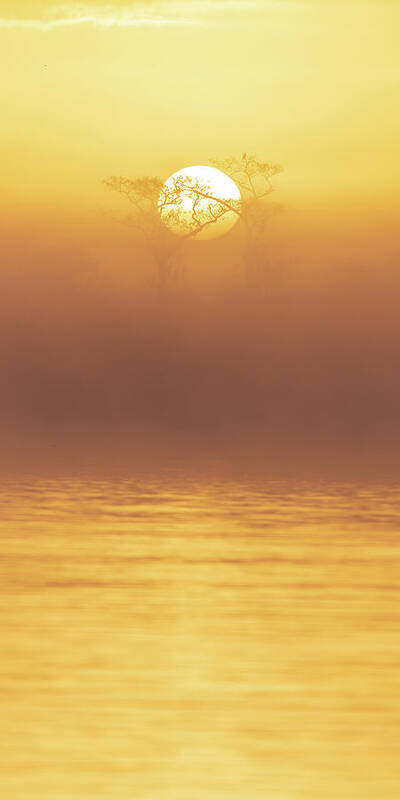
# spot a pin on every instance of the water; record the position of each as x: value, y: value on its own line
x: 172, y: 639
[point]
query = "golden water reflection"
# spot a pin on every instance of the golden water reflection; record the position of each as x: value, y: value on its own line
x: 168, y: 639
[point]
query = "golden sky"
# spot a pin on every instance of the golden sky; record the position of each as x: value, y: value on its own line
x: 96, y: 88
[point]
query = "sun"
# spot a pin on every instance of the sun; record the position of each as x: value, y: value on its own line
x: 199, y: 202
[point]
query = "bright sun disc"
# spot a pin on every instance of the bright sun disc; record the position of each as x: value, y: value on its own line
x: 197, y: 202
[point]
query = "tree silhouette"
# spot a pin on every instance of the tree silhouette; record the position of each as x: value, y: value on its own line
x: 144, y: 217
x: 254, y: 179
x: 187, y: 206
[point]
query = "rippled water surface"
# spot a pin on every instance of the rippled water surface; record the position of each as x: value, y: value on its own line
x: 168, y: 639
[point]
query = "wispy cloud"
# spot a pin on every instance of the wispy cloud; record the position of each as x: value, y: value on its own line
x: 101, y: 22
x: 138, y: 14
x: 101, y: 19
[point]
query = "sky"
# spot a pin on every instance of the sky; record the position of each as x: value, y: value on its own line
x: 96, y: 89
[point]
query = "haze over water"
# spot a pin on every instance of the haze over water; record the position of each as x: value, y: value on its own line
x: 191, y: 639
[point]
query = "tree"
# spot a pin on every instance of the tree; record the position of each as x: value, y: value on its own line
x: 143, y: 196
x: 188, y: 205
x: 254, y: 179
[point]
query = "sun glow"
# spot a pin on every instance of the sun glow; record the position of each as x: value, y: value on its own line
x: 201, y: 202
